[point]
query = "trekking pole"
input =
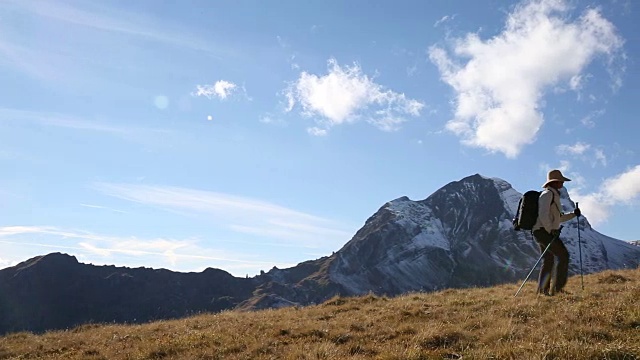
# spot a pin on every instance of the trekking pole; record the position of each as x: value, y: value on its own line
x: 580, y: 250
x: 536, y: 264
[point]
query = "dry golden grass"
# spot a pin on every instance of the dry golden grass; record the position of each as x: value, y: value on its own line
x: 601, y: 322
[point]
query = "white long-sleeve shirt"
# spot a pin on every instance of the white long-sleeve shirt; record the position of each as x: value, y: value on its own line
x: 550, y: 211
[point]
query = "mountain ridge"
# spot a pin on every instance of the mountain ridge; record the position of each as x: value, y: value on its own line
x: 460, y: 236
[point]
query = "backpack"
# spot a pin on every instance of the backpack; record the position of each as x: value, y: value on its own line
x: 527, y: 213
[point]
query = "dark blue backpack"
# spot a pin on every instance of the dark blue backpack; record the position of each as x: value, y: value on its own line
x: 527, y: 213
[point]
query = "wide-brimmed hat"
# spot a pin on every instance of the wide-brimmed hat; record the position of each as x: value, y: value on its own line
x: 555, y: 175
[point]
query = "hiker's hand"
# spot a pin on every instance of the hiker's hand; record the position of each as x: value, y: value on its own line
x: 555, y: 233
x: 577, y: 212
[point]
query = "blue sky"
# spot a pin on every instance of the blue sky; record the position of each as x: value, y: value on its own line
x: 196, y: 134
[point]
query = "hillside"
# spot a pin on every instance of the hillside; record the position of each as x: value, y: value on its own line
x: 600, y: 322
x: 461, y: 236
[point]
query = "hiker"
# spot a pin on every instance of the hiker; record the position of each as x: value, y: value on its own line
x: 546, y: 229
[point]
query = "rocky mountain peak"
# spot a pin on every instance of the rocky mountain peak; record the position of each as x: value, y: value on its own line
x: 466, y: 205
x: 461, y: 235
x: 50, y: 263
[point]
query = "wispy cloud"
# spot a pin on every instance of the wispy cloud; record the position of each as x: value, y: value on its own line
x: 8, y: 155
x: 444, y: 19
x: 128, y: 245
x: 316, y: 131
x: 147, y: 136
x: 589, y: 120
x: 99, y: 248
x: 599, y: 157
x: 99, y: 17
x: 499, y: 83
x: 102, y: 208
x: 585, y: 152
x: 60, y: 120
x: 236, y: 213
x: 29, y: 60
x: 73, y: 42
x: 618, y: 190
x: 577, y: 149
x: 270, y: 119
x: 345, y: 95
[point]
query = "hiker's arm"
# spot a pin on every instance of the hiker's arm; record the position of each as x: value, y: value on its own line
x: 565, y: 217
x: 544, y: 209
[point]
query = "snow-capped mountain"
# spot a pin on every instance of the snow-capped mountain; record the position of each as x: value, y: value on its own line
x: 460, y: 236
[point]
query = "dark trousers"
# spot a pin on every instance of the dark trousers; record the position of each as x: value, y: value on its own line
x: 557, y: 253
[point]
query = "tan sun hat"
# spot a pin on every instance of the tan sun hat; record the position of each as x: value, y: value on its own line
x: 555, y: 175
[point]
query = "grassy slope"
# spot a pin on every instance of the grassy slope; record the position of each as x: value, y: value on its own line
x: 601, y: 322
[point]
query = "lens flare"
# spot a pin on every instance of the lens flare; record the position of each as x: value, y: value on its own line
x: 161, y: 102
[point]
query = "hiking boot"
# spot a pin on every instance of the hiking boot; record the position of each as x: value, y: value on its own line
x: 544, y: 293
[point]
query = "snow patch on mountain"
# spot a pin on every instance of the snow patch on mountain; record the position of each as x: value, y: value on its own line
x: 419, y: 218
x: 429, y: 237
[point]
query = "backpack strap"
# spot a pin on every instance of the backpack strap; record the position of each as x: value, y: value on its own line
x: 553, y: 200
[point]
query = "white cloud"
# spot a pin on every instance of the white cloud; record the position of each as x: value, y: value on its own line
x: 346, y: 95
x: 499, y: 88
x: 221, y: 89
x: 577, y: 149
x: 128, y: 245
x: 234, y: 212
x: 623, y: 188
x: 271, y: 120
x: 5, y: 263
x: 593, y: 207
x: 316, y: 131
